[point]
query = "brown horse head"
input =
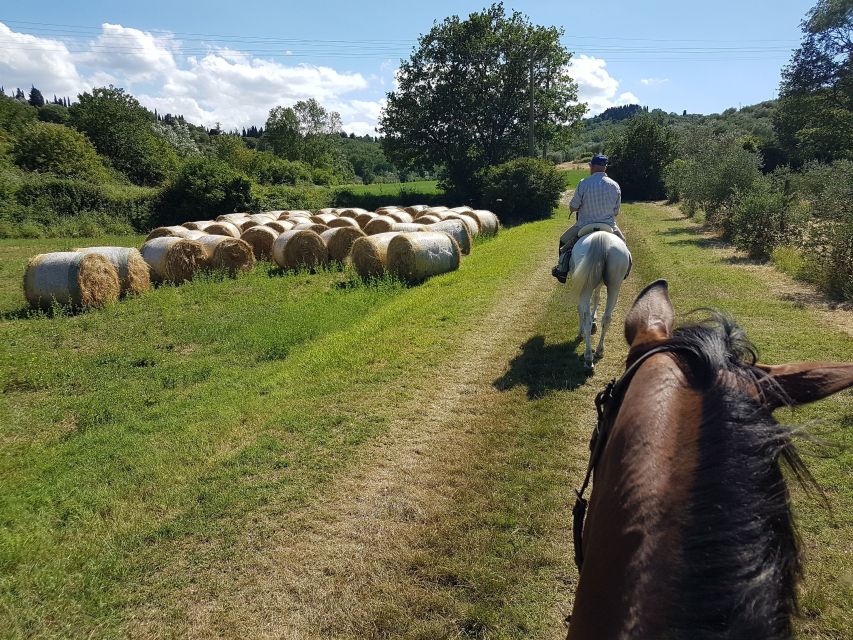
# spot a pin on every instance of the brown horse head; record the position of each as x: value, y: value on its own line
x: 689, y: 532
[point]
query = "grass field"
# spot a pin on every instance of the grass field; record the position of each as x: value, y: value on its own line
x: 321, y: 458
x: 396, y: 189
x: 573, y: 176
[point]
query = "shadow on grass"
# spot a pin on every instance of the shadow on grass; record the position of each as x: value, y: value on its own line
x: 544, y: 367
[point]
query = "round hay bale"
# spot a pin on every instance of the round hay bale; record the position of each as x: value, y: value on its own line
x: 489, y: 223
x: 297, y: 249
x: 275, y: 215
x: 300, y: 213
x: 343, y: 222
x: 262, y: 218
x: 223, y: 229
x: 324, y: 218
x: 261, y: 239
x: 227, y: 253
x: 470, y: 221
x: 370, y: 254
x: 437, y: 209
x: 415, y: 209
x: 192, y: 234
x: 233, y: 218
x: 173, y: 259
x: 325, y: 210
x: 280, y: 225
x: 425, y: 219
x: 70, y: 278
x: 380, y: 224
x: 462, y: 209
x: 384, y: 211
x: 456, y: 229
x: 339, y: 241
x: 351, y: 212
x: 400, y: 216
x: 164, y: 232
x: 417, y: 256
x: 407, y: 227
x: 363, y: 218
x: 132, y: 270
x: 199, y: 225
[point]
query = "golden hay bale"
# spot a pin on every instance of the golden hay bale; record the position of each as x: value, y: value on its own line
x: 261, y: 239
x: 363, y: 218
x: 233, y: 218
x: 383, y: 211
x: 230, y: 254
x: 462, y: 209
x: 132, y: 270
x: 262, y: 218
x: 275, y: 215
x: 432, y: 210
x: 297, y: 249
x: 400, y: 216
x: 415, y: 209
x: 192, y: 234
x: 456, y: 229
x: 163, y: 232
x: 70, y: 278
x: 339, y: 241
x: 300, y: 213
x: 199, y: 225
x: 280, y: 225
x: 310, y: 226
x: 350, y: 212
x: 246, y: 224
x: 470, y: 221
x: 370, y: 254
x: 173, y: 259
x: 324, y: 218
x: 417, y: 256
x: 325, y: 210
x: 343, y: 222
x: 489, y: 223
x: 424, y: 219
x: 223, y: 229
x: 380, y: 224
x: 407, y: 227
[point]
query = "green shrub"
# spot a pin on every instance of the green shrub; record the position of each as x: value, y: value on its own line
x: 638, y: 156
x: 788, y: 259
x: 762, y: 217
x: 267, y: 168
x: 204, y: 188
x: 522, y: 189
x: 54, y: 148
x: 55, y: 113
x: 270, y: 198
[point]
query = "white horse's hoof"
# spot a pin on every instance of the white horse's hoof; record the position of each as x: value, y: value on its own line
x: 599, y: 355
x: 589, y: 367
x: 594, y: 329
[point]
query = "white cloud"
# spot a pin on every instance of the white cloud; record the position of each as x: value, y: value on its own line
x: 653, y: 82
x: 596, y: 86
x: 223, y: 85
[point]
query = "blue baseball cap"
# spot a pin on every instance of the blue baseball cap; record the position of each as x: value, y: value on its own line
x: 599, y: 160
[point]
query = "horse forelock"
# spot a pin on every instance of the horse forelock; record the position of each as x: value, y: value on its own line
x: 739, y: 554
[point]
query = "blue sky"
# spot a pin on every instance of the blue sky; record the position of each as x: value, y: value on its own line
x: 231, y: 62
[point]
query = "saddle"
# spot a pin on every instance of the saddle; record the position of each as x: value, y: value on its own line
x: 595, y: 226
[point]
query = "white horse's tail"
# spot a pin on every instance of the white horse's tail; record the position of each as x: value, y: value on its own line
x: 589, y: 270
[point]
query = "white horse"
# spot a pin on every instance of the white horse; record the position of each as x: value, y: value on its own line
x: 598, y: 258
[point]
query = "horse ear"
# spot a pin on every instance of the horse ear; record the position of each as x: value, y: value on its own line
x: 804, y: 382
x: 651, y: 317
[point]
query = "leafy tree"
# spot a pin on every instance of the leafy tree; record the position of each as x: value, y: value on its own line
x: 55, y: 113
x: 815, y: 117
x: 282, y: 133
x: 36, y: 98
x: 54, y: 148
x: 463, y: 96
x: 523, y: 189
x: 122, y: 129
x: 205, y: 187
x: 639, y: 155
x: 14, y: 114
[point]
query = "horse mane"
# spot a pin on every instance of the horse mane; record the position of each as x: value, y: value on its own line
x: 740, y: 551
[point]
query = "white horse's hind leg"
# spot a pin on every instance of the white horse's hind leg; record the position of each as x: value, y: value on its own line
x: 613, y: 278
x: 586, y: 329
x: 596, y: 297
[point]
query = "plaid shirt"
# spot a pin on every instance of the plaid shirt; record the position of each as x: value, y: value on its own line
x: 597, y: 199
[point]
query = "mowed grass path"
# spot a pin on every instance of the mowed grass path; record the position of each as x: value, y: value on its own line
x: 160, y: 431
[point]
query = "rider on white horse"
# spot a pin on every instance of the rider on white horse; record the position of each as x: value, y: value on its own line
x: 596, y: 201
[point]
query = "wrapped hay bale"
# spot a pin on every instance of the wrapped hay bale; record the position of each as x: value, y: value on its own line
x: 280, y: 225
x: 296, y: 249
x: 424, y: 219
x: 343, y: 222
x: 227, y: 253
x: 164, y: 232
x: 339, y: 241
x: 173, y: 259
x: 233, y: 218
x: 437, y: 209
x: 417, y: 256
x: 199, y: 225
x: 456, y: 229
x: 133, y: 276
x: 462, y: 209
x: 192, y: 234
x: 407, y: 227
x: 223, y: 229
x: 400, y: 216
x: 489, y: 223
x: 363, y: 218
x: 415, y: 209
x: 384, y: 211
x: 262, y: 218
x: 275, y: 215
x: 324, y: 218
x: 370, y: 254
x: 325, y: 210
x: 261, y: 239
x: 379, y: 224
x: 70, y: 278
x: 299, y: 213
x: 470, y: 221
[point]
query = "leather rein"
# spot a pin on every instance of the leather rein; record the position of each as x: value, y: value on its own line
x: 607, y: 405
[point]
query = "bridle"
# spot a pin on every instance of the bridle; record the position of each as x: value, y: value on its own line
x: 608, y: 401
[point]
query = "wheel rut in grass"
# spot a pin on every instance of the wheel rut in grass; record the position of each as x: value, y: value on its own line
x: 331, y: 569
